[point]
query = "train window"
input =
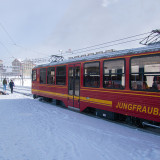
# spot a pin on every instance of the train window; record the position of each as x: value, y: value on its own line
x: 51, y: 75
x: 34, y: 75
x: 43, y: 75
x: 113, y: 74
x: 61, y: 75
x: 145, y: 73
x: 71, y: 80
x: 92, y: 74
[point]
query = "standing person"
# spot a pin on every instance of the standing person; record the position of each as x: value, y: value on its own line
x: 4, y: 85
x: 11, y: 84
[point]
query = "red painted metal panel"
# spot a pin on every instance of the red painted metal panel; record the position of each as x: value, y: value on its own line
x: 142, y: 104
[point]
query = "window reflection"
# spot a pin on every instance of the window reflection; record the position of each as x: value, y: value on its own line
x: 92, y: 74
x: 114, y: 74
x: 51, y: 75
x: 43, y: 75
x: 145, y: 73
x: 61, y: 75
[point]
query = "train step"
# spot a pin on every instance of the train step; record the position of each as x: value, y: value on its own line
x: 73, y: 108
x: 150, y: 125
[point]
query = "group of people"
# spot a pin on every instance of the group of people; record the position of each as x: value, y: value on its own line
x: 11, y: 85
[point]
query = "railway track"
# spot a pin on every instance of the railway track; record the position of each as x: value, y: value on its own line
x: 151, y: 130
x: 26, y: 94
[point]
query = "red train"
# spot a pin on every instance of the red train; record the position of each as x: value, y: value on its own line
x: 123, y: 85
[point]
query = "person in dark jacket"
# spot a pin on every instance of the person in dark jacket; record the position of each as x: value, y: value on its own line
x: 11, y: 85
x: 4, y: 85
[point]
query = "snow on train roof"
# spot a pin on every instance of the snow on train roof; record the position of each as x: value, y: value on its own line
x: 149, y: 48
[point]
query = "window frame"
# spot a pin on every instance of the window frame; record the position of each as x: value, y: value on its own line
x: 34, y: 70
x: 61, y: 75
x: 45, y: 76
x: 49, y: 68
x: 93, y: 74
x: 115, y: 74
x: 149, y: 73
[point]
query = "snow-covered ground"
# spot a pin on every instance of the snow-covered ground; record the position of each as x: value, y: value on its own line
x: 17, y: 88
x: 33, y: 130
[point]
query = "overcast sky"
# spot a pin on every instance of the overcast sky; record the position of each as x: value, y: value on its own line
x: 39, y: 28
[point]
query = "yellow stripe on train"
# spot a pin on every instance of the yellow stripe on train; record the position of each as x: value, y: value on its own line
x: 85, y: 99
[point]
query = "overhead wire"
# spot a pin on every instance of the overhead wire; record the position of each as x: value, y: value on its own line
x: 90, y: 48
x: 5, y: 30
x: 81, y: 50
x: 14, y: 43
x: 109, y: 45
x: 5, y: 47
x: 112, y: 41
x: 94, y: 47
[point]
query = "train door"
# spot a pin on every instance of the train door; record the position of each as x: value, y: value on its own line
x: 74, y: 85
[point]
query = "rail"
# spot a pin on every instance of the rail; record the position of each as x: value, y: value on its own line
x: 150, y: 125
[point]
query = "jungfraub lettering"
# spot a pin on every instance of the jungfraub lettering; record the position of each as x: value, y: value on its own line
x: 138, y: 108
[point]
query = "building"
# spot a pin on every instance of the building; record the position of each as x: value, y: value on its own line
x: 22, y: 68
x: 27, y: 68
x: 1, y: 65
x: 16, y: 67
x: 2, y: 70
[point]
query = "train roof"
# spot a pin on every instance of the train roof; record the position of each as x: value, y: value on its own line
x: 150, y: 48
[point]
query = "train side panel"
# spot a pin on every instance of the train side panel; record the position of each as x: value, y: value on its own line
x: 141, y: 104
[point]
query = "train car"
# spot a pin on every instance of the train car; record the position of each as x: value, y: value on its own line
x: 119, y: 85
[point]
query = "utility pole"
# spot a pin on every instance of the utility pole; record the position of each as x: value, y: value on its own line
x: 22, y: 75
x: 21, y: 71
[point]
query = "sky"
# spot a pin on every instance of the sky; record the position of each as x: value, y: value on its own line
x: 40, y: 28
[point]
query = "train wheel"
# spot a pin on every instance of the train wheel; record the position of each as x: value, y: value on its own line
x: 34, y: 96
